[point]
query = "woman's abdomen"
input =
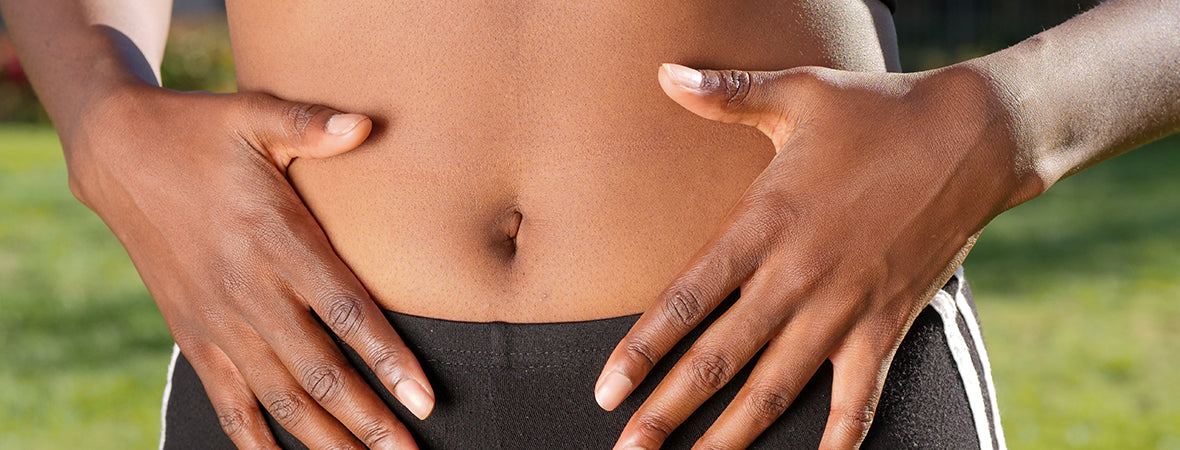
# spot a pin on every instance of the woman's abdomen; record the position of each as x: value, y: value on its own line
x: 525, y: 165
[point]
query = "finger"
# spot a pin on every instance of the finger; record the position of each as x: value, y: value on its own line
x: 342, y: 303
x: 312, y: 358
x: 285, y: 130
x: 237, y: 409
x: 713, y: 275
x: 859, y: 369
x: 785, y: 367
x: 287, y: 401
x: 757, y: 99
x: 713, y: 360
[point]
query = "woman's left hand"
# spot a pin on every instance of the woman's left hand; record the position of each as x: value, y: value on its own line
x: 880, y: 185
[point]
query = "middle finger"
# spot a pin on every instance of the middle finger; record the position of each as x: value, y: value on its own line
x: 788, y: 364
x: 712, y: 361
x: 314, y: 360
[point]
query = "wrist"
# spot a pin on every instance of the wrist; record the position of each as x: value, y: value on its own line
x: 1018, y: 79
x: 97, y: 64
x: 110, y: 107
x: 104, y: 87
x: 1008, y: 126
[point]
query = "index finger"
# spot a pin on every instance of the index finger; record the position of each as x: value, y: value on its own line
x: 344, y: 305
x: 724, y: 264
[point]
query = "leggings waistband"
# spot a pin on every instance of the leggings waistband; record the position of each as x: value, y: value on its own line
x: 510, y: 345
x: 513, y: 385
x: 527, y: 346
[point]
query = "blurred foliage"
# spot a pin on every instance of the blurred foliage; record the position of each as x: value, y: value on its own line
x: 936, y: 33
x: 17, y: 101
x: 198, y: 56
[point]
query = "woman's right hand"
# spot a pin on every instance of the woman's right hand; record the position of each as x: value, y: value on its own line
x: 193, y: 185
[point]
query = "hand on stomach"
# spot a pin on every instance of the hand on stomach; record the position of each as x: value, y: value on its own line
x: 524, y: 165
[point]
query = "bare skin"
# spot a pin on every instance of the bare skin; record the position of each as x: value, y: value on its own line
x: 846, y: 235
x: 870, y: 191
x: 522, y: 170
x: 192, y: 185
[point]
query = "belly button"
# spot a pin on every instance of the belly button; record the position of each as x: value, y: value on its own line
x: 510, y: 227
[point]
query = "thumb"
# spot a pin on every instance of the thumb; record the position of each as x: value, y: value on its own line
x: 285, y: 130
x: 757, y: 99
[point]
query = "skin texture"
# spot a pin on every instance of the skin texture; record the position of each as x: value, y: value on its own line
x: 873, y: 189
x: 848, y: 232
x: 193, y: 186
x: 525, y: 169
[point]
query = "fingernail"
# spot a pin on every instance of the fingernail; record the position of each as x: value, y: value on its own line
x: 613, y: 390
x: 684, y: 77
x: 414, y: 396
x: 340, y: 124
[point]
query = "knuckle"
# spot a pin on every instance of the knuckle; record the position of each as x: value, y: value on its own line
x: 766, y: 404
x: 286, y: 406
x: 641, y: 353
x: 344, y: 313
x: 386, y: 364
x: 808, y: 273
x: 733, y: 84
x: 737, y: 87
x: 855, y: 421
x: 655, y: 427
x: 684, y: 305
x: 322, y: 381
x: 710, y: 371
x: 233, y: 420
x: 298, y: 116
x: 374, y: 432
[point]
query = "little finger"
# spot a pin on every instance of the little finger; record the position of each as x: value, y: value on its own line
x: 785, y: 367
x: 237, y: 409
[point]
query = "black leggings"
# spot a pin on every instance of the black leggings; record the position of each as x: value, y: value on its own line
x: 503, y: 385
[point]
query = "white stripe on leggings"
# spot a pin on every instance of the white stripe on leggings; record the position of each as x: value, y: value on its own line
x: 945, y: 305
x: 167, y: 395
x: 977, y: 337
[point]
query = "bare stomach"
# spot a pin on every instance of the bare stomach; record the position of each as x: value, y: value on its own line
x: 525, y: 165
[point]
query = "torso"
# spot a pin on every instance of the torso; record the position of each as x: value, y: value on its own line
x: 525, y: 165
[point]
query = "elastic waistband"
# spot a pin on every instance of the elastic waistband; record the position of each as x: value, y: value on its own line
x: 511, y: 345
x: 523, y: 345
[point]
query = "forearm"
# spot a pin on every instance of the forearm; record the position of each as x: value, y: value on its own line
x: 76, y: 51
x: 1098, y: 85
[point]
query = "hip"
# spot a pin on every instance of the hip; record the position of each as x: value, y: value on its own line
x: 513, y: 385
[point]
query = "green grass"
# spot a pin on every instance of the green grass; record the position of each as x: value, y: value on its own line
x: 1078, y: 291
x: 82, y: 349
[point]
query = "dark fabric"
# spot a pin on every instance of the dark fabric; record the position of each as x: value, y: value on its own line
x: 521, y: 386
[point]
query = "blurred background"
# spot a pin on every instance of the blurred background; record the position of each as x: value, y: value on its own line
x: 1079, y: 290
